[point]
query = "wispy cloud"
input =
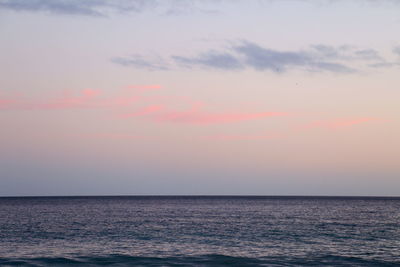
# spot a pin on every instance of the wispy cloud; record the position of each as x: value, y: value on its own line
x: 339, y: 123
x: 110, y: 136
x: 154, y: 108
x: 104, y: 8
x: 218, y: 60
x: 144, y: 111
x: 212, y: 118
x: 389, y: 64
x: 249, y: 55
x: 140, y: 62
x: 368, y: 54
x: 144, y: 87
x: 77, y: 7
x: 238, y: 137
x: 385, y: 65
x: 195, y: 115
x: 260, y: 58
x: 328, y: 124
x: 6, y: 103
x: 396, y: 50
x: 84, y: 99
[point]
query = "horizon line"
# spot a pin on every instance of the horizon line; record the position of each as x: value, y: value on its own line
x: 201, y: 196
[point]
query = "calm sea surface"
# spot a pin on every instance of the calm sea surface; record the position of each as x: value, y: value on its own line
x: 200, y: 231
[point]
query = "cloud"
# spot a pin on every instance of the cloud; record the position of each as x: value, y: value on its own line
x: 144, y: 87
x: 234, y: 137
x: 339, y: 123
x: 127, y: 97
x: 388, y: 64
x: 396, y: 50
x: 77, y: 7
x: 85, y: 99
x: 145, y: 111
x: 368, y: 54
x: 213, y: 59
x: 330, y: 124
x: 385, y: 65
x: 110, y: 136
x: 104, y: 8
x: 141, y: 63
x: 248, y: 55
x: 345, y: 52
x: 153, y: 108
x: 212, y: 118
x: 195, y: 115
x: 261, y: 59
x: 88, y: 93
x: 6, y: 103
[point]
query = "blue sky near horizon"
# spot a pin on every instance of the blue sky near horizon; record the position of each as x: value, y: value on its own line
x: 199, y: 97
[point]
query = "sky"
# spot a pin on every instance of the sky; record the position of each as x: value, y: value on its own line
x: 213, y: 97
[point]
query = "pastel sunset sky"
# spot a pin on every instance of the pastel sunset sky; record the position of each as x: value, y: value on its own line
x: 246, y: 97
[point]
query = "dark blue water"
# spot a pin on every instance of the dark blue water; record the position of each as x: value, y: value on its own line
x: 200, y: 231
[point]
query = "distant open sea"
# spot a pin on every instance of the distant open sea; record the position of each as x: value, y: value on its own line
x: 199, y: 231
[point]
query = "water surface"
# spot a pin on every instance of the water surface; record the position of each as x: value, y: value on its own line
x: 201, y: 231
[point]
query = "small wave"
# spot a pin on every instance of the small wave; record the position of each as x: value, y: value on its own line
x: 204, y: 260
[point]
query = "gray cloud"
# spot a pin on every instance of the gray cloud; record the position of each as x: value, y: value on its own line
x: 104, y: 8
x: 100, y: 7
x: 138, y: 61
x: 261, y: 59
x: 396, y: 50
x: 330, y: 67
x: 388, y: 64
x: 367, y: 54
x: 248, y: 55
x: 385, y: 65
x: 43, y: 5
x: 77, y: 7
x: 212, y: 59
x: 346, y: 52
x: 328, y: 51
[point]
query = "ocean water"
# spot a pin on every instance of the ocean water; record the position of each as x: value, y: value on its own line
x: 200, y: 231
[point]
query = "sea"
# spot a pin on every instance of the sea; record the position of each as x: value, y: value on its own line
x: 199, y: 231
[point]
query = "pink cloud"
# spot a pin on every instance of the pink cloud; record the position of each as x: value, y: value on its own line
x: 113, y: 136
x: 329, y: 124
x: 154, y: 110
x: 144, y: 88
x: 195, y: 116
x: 210, y: 118
x: 90, y: 99
x: 150, y: 87
x: 124, y: 101
x: 227, y: 137
x: 144, y: 111
x: 85, y: 99
x: 339, y: 123
x: 90, y: 93
x: 5, y: 103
